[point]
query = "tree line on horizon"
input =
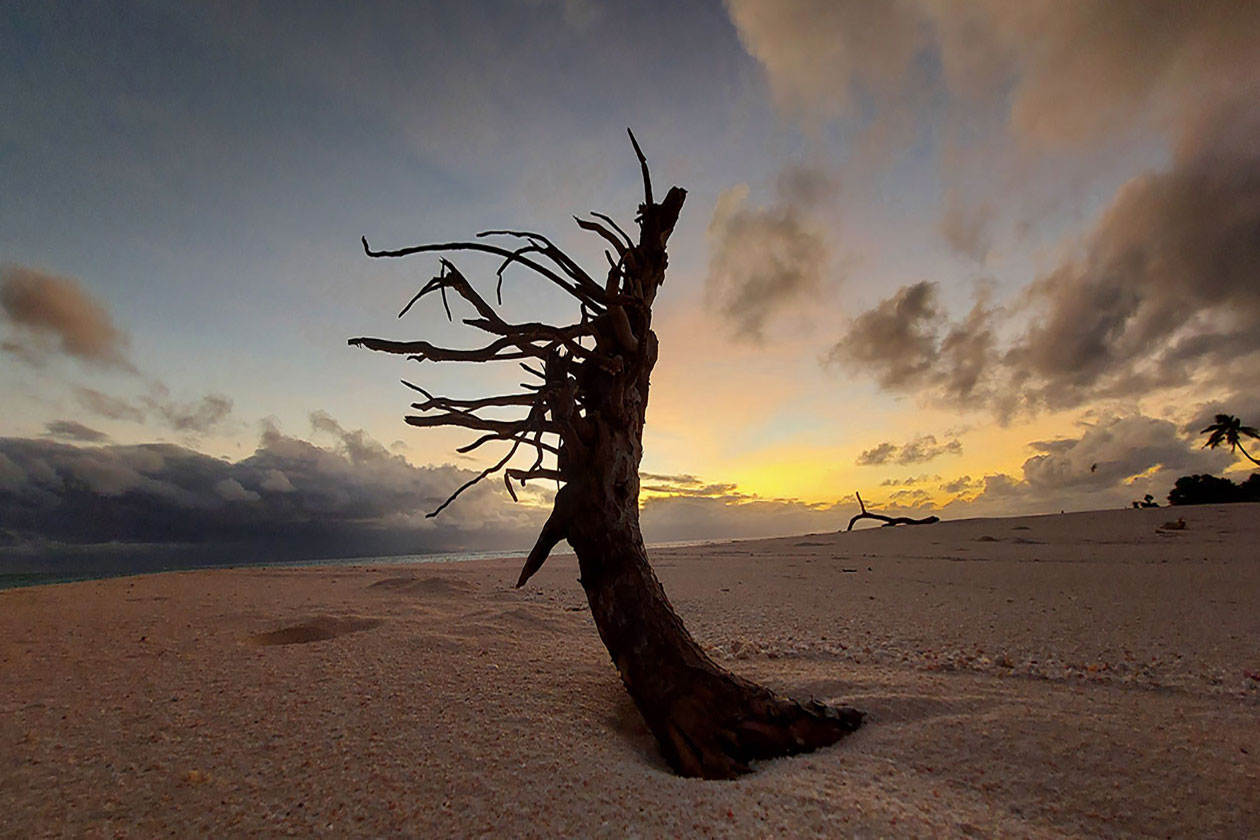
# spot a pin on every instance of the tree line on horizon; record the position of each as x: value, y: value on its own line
x: 1226, y: 430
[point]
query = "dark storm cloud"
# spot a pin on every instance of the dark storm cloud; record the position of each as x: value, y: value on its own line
x: 767, y: 260
x: 52, y: 314
x: 917, y: 450
x: 290, y: 498
x: 74, y: 430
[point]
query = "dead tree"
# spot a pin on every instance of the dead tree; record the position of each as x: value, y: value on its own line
x: 888, y: 520
x: 583, y: 423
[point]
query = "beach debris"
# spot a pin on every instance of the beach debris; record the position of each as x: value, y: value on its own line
x: 888, y: 521
x: 1178, y: 524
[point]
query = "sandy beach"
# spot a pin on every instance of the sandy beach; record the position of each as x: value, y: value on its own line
x: 1083, y: 674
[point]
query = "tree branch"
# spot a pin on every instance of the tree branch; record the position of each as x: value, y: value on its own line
x: 613, y: 224
x: 888, y: 520
x: 575, y: 290
x: 544, y: 246
x: 606, y: 234
x: 525, y: 475
x: 451, y: 278
x: 647, y: 177
x: 495, y: 351
x: 481, y: 424
x: 487, y: 471
x: 523, y: 437
x: 432, y: 402
x: 553, y: 531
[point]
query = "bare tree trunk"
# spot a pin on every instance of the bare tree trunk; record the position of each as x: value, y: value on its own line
x: 592, y: 402
x: 708, y: 722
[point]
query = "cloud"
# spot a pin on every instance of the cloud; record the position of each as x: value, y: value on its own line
x: 917, y: 450
x: 1161, y: 293
x: 965, y: 228
x: 906, y: 343
x: 51, y: 314
x: 275, y: 481
x: 291, y: 499
x: 198, y: 417
x: 1115, y: 460
x: 1069, y: 72
x: 1114, y: 451
x: 108, y: 406
x: 669, y: 479
x: 74, y: 430
x: 209, y: 413
x: 1166, y: 284
x: 763, y: 261
x: 909, y: 481
x: 924, y: 448
x: 958, y: 485
x: 230, y: 490
x: 822, y: 57
x: 896, y: 342
x: 877, y: 455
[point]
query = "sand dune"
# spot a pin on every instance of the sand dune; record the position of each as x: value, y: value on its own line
x: 1084, y: 674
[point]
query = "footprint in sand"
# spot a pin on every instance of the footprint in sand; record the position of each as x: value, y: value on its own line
x: 318, y: 629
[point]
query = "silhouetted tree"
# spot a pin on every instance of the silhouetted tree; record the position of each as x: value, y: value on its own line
x: 1213, y: 490
x: 1228, y: 429
x: 583, y: 420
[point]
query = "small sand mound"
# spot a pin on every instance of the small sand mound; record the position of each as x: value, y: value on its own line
x: 319, y: 629
x: 433, y: 585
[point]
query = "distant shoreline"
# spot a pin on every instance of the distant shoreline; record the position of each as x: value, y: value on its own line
x: 19, y: 580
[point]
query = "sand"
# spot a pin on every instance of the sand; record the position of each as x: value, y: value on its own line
x: 1069, y: 675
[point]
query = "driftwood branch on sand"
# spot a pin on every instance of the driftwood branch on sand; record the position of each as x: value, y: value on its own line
x: 888, y: 521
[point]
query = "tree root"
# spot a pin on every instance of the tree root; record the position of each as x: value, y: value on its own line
x: 713, y: 740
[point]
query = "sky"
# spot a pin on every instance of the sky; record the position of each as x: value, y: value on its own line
x: 976, y: 259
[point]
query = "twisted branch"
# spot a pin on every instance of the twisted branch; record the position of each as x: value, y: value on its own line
x: 580, y: 291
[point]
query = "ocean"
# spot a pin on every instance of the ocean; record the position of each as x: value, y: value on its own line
x: 69, y: 569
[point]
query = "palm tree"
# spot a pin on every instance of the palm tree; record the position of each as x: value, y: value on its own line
x: 1228, y: 429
